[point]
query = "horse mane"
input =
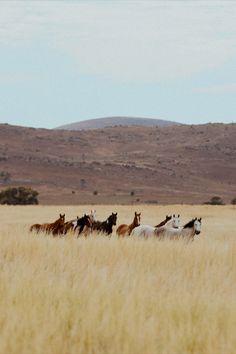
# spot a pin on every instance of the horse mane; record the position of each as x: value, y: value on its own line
x: 189, y: 224
x: 164, y: 221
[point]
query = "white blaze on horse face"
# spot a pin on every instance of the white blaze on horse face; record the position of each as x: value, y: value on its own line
x: 175, y: 221
x: 93, y: 215
x: 197, y: 227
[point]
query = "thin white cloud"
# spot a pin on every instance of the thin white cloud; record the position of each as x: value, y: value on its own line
x: 130, y: 40
x: 226, y: 88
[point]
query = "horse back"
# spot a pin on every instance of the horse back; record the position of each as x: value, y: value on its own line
x: 35, y: 227
x: 122, y: 229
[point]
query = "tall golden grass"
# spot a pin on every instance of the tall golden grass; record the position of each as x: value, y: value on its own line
x: 109, y: 295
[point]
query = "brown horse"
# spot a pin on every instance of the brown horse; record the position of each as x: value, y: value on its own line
x: 69, y: 226
x: 35, y: 227
x: 55, y: 228
x: 125, y: 229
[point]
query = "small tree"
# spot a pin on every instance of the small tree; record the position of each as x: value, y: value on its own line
x: 18, y: 196
x: 233, y: 201
x: 215, y: 201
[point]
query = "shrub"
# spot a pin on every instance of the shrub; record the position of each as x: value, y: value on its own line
x: 215, y: 201
x: 233, y: 201
x: 18, y: 196
x: 5, y: 176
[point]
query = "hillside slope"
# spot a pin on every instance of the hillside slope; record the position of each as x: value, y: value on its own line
x: 184, y: 164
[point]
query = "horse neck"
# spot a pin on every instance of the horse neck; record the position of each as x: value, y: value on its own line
x: 92, y: 217
x: 189, y: 231
x: 164, y: 222
x: 134, y: 223
x: 80, y: 221
x: 56, y: 223
x: 110, y: 223
x: 57, y: 226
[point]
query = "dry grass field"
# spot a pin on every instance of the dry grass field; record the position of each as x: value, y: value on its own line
x: 110, y: 296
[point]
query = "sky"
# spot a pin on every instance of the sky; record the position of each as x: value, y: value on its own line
x: 67, y: 61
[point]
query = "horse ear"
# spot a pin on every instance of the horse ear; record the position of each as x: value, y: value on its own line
x: 178, y: 215
x: 174, y: 215
x: 200, y: 219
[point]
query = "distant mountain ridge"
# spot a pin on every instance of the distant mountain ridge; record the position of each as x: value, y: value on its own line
x: 100, y: 123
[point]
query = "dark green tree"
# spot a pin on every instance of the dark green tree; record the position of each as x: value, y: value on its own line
x: 215, y: 201
x: 18, y: 196
x: 233, y: 201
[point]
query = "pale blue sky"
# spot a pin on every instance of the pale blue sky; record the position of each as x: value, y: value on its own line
x: 65, y: 61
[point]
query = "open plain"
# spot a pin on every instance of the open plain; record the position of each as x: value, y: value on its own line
x: 111, y: 295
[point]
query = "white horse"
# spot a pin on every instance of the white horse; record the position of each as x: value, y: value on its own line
x: 148, y: 230
x: 188, y: 231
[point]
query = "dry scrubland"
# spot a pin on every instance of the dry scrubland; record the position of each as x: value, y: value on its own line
x: 101, y: 295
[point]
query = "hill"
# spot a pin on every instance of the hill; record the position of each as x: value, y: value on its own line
x: 187, y: 164
x: 101, y: 123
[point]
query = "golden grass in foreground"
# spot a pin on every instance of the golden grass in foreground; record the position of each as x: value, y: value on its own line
x: 101, y: 295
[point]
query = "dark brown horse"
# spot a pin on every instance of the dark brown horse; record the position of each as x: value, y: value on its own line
x: 125, y: 229
x: 105, y: 226
x: 168, y: 218
x: 83, y: 223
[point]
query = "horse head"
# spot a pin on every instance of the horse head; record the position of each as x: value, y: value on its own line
x: 176, y: 221
x: 61, y: 220
x: 112, y: 218
x: 92, y: 215
x: 137, y: 218
x: 197, y: 225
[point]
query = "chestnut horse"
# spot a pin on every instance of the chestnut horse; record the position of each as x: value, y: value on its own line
x: 125, y: 229
x: 55, y: 228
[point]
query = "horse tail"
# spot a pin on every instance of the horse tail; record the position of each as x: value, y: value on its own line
x: 35, y: 227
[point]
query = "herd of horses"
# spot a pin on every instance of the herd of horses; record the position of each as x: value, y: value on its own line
x: 170, y: 227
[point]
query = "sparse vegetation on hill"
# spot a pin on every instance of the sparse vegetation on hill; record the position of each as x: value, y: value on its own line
x: 170, y: 164
x: 5, y: 177
x: 233, y: 201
